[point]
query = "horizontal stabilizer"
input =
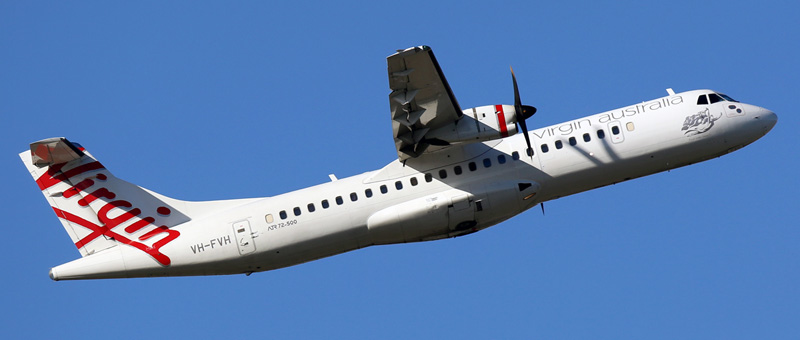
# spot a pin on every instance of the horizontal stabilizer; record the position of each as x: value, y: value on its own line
x: 52, y: 151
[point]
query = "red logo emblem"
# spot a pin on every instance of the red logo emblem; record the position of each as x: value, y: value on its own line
x: 93, y: 189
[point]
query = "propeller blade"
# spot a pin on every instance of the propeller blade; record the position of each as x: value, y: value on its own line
x: 527, y: 138
x: 517, y: 101
x: 522, y: 113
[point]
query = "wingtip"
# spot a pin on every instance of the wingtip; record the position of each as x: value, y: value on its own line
x: 52, y: 275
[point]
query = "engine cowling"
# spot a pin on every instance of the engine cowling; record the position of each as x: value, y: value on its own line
x: 477, y: 124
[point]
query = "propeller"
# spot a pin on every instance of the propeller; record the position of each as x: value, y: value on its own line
x: 523, y: 112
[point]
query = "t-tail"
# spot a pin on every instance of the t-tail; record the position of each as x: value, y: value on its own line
x: 98, y: 210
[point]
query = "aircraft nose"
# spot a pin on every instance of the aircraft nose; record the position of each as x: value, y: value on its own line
x: 768, y: 118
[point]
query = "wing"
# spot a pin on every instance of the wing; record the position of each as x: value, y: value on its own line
x: 421, y: 100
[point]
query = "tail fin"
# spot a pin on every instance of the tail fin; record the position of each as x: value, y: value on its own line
x: 98, y: 210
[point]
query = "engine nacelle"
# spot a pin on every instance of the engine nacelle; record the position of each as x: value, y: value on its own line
x: 477, y: 124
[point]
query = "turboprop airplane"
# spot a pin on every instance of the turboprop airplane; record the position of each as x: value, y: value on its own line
x: 457, y: 172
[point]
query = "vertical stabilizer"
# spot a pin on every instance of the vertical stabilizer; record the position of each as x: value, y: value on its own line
x: 98, y: 210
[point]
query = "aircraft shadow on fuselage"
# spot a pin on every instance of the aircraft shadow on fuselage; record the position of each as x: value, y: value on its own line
x: 462, y: 154
x: 447, y: 158
x: 591, y: 157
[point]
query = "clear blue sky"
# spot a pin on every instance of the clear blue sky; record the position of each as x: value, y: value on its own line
x: 220, y: 100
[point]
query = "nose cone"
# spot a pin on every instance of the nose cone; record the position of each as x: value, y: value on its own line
x: 746, y: 128
x: 768, y: 118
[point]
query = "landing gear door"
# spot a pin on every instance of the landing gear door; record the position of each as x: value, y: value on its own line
x: 244, y: 237
x: 460, y: 212
x: 615, y: 132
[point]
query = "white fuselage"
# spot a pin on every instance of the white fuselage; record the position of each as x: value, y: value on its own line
x: 448, y: 192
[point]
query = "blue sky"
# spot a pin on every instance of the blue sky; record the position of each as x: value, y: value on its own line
x: 200, y: 100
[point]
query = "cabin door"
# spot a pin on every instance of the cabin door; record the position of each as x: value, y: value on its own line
x: 615, y: 132
x: 244, y: 237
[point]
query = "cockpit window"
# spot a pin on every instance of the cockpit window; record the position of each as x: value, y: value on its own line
x: 727, y: 98
x: 713, y: 98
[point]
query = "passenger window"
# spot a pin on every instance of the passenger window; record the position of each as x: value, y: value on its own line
x: 572, y: 141
x: 515, y: 156
x: 398, y: 185
x: 368, y: 193
x: 443, y: 174
x: 545, y: 148
x: 629, y: 126
x: 282, y: 214
x: 384, y: 189
x: 353, y: 197
x: 713, y: 98
x: 325, y: 204
x: 702, y: 100
x: 472, y: 166
x: 601, y: 134
x: 311, y: 207
x: 457, y: 170
x: 529, y: 151
x: 428, y: 178
x: 559, y: 144
x: 296, y: 211
x: 501, y: 159
x: 615, y: 130
x: 414, y: 181
x: 586, y: 137
x: 487, y: 162
x: 268, y: 218
x: 339, y: 200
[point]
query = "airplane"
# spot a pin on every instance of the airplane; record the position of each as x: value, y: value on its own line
x: 457, y: 172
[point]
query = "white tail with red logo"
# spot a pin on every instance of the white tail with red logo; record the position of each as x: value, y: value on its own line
x: 98, y: 210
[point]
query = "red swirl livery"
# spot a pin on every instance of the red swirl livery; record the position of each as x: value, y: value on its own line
x: 97, y: 209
